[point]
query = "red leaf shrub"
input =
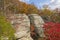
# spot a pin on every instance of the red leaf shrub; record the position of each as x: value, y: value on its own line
x: 52, y: 30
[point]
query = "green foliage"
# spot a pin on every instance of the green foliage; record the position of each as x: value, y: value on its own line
x: 6, y: 29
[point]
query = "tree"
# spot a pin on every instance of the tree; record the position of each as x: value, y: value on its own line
x: 32, y: 9
x: 47, y: 13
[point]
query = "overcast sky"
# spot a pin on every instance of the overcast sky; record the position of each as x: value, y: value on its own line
x: 39, y: 3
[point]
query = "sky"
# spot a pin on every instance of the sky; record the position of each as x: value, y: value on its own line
x: 39, y: 3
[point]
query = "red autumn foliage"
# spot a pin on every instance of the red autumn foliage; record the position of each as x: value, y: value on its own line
x: 52, y: 30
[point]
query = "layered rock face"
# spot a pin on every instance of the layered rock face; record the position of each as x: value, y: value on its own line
x: 38, y: 24
x: 21, y: 23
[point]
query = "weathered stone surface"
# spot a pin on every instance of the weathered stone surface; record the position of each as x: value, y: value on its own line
x: 38, y: 21
x: 21, y: 23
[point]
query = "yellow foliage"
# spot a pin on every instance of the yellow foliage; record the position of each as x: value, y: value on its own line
x: 15, y: 6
